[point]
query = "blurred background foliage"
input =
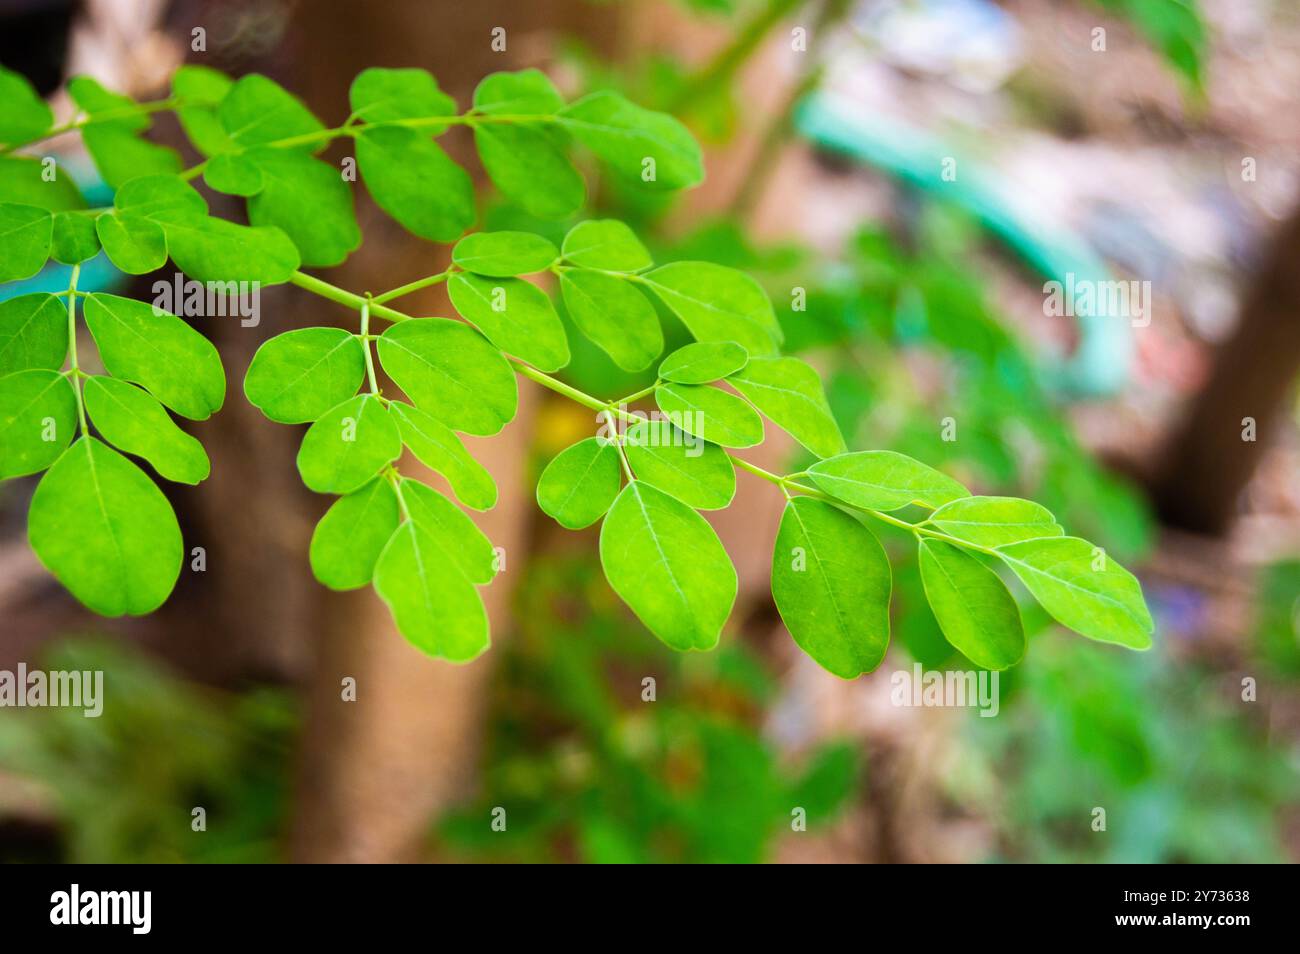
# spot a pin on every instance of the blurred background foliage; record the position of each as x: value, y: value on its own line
x: 914, y: 315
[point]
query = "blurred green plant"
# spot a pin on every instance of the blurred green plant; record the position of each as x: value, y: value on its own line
x: 1184, y: 771
x: 121, y: 787
x: 588, y: 771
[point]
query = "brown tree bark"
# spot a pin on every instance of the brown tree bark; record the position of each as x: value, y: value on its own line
x: 1208, y: 461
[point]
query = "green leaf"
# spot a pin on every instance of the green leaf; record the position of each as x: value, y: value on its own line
x: 435, y: 607
x: 105, y: 531
x: 625, y: 136
x: 717, y: 303
x: 348, y: 445
x: 158, y: 351
x: 1083, y: 589
x: 606, y: 244
x: 451, y: 529
x: 580, y: 483
x: 666, y: 563
x: 25, y: 237
x: 711, y: 413
x: 450, y: 371
x: 703, y: 362
x: 215, y: 250
x: 234, y: 173
x: 33, y: 333
x: 416, y: 183
x: 202, y: 89
x: 530, y: 169
x: 526, y: 161
x: 696, y: 472
x: 299, y: 375
x: 346, y: 544
x: 789, y: 393
x: 309, y: 201
x: 381, y: 95
x: 38, y: 416
x: 133, y: 243
x: 257, y: 110
x: 28, y: 181
x: 993, y: 521
x: 831, y: 582
x: 504, y: 254
x: 972, y: 605
x: 119, y: 153
x: 73, y: 239
x: 438, y: 448
x: 522, y: 93
x: 167, y: 200
x: 23, y: 114
x: 516, y: 316
x: 615, y: 315
x: 134, y: 422
x: 884, y: 480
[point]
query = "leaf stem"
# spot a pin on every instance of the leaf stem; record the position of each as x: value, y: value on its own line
x: 365, y: 343
x: 73, y: 366
x: 83, y: 120
x: 415, y: 286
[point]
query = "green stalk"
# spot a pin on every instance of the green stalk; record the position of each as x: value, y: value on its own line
x: 74, y: 369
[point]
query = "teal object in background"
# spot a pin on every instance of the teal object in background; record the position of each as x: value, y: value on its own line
x: 1103, y: 358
